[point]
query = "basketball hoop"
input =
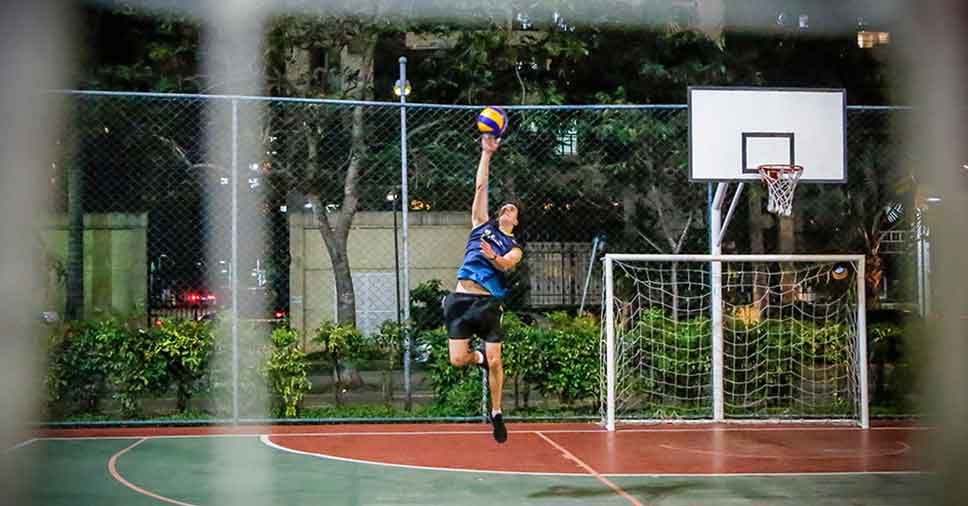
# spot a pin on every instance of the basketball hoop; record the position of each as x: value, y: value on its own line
x: 781, y: 180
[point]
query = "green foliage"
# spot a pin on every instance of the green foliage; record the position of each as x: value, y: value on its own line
x: 896, y: 354
x: 457, y: 390
x: 339, y: 342
x: 287, y: 371
x: 186, y: 347
x: 425, y: 309
x: 77, y: 364
x: 136, y: 369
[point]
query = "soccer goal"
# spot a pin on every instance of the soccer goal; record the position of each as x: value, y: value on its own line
x: 734, y: 337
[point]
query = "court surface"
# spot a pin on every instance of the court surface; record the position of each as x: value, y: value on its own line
x: 460, y: 464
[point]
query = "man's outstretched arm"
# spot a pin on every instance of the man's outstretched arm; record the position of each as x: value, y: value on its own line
x: 479, y: 214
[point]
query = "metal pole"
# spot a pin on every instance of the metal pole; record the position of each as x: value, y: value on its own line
x: 862, y: 343
x: 919, y: 237
x: 609, y: 348
x: 405, y: 199
x: 588, y: 276
x: 233, y: 269
x: 396, y: 257
x: 715, y: 274
x: 729, y: 214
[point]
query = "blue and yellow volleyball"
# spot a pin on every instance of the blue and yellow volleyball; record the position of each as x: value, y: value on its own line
x: 492, y: 121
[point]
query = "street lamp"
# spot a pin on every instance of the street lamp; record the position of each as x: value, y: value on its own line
x: 402, y: 90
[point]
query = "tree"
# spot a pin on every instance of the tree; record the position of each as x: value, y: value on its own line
x: 317, y: 39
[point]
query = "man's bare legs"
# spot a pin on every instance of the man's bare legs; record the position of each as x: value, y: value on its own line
x: 495, y: 369
x: 461, y: 353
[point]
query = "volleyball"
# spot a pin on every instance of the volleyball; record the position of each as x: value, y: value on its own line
x: 492, y: 121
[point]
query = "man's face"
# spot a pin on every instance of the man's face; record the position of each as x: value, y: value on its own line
x: 508, y: 215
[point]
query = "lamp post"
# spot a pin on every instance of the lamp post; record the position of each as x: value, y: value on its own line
x: 393, y: 198
x: 401, y: 89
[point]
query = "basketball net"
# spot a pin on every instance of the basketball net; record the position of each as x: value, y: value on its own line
x: 781, y: 181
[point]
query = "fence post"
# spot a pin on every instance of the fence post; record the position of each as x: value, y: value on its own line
x: 405, y: 205
x: 233, y: 265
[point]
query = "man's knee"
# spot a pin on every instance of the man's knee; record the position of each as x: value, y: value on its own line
x: 456, y: 359
x: 494, y: 361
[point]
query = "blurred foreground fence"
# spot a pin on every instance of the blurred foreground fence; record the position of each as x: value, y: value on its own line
x: 178, y: 207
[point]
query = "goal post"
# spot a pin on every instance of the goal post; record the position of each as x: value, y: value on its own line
x: 791, y: 332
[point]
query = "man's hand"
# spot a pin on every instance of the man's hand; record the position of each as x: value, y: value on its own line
x: 489, y: 144
x: 488, y: 251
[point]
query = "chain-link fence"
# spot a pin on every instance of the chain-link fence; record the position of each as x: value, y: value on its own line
x: 169, y: 197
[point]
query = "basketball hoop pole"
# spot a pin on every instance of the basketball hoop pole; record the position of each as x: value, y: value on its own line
x: 716, y: 295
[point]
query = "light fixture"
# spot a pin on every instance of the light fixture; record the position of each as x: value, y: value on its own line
x: 868, y: 39
x: 404, y: 90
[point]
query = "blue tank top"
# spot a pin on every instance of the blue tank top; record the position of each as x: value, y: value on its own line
x: 477, y: 267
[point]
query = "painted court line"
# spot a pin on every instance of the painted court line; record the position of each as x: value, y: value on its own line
x: 20, y: 445
x: 266, y: 440
x: 568, y: 455
x: 112, y: 468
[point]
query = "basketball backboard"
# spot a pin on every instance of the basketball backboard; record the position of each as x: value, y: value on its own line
x: 734, y: 130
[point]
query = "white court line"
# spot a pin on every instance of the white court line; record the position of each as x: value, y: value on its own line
x: 20, y: 445
x: 265, y: 440
x: 268, y: 442
x: 608, y: 483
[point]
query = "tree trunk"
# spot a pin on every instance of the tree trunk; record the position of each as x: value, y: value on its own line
x: 358, y: 58
x: 335, y: 241
x: 675, y: 291
x: 184, y: 394
x: 336, y: 384
x: 629, y: 202
x: 74, y: 308
x: 760, y: 278
x: 787, y: 245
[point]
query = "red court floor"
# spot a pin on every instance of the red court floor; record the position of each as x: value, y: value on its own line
x: 661, y: 449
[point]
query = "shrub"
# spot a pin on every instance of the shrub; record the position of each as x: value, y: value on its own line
x: 136, y: 370
x: 78, y: 365
x: 457, y: 390
x: 339, y: 342
x: 186, y: 348
x: 287, y: 371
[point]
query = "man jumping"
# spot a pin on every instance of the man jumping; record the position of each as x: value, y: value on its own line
x: 475, y: 306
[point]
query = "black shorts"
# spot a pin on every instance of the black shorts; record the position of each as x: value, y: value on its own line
x: 469, y: 314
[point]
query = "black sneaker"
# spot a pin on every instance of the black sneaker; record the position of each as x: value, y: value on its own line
x: 500, y: 431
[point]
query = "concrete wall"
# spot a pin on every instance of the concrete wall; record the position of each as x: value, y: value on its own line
x: 115, y: 263
x: 437, y: 242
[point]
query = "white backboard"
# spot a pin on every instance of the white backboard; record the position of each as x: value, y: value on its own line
x: 734, y: 130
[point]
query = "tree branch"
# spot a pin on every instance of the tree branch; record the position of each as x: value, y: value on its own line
x: 646, y: 239
x: 685, y: 230
x: 183, y: 156
x: 655, y: 199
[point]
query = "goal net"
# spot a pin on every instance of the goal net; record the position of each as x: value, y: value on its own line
x: 734, y: 337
